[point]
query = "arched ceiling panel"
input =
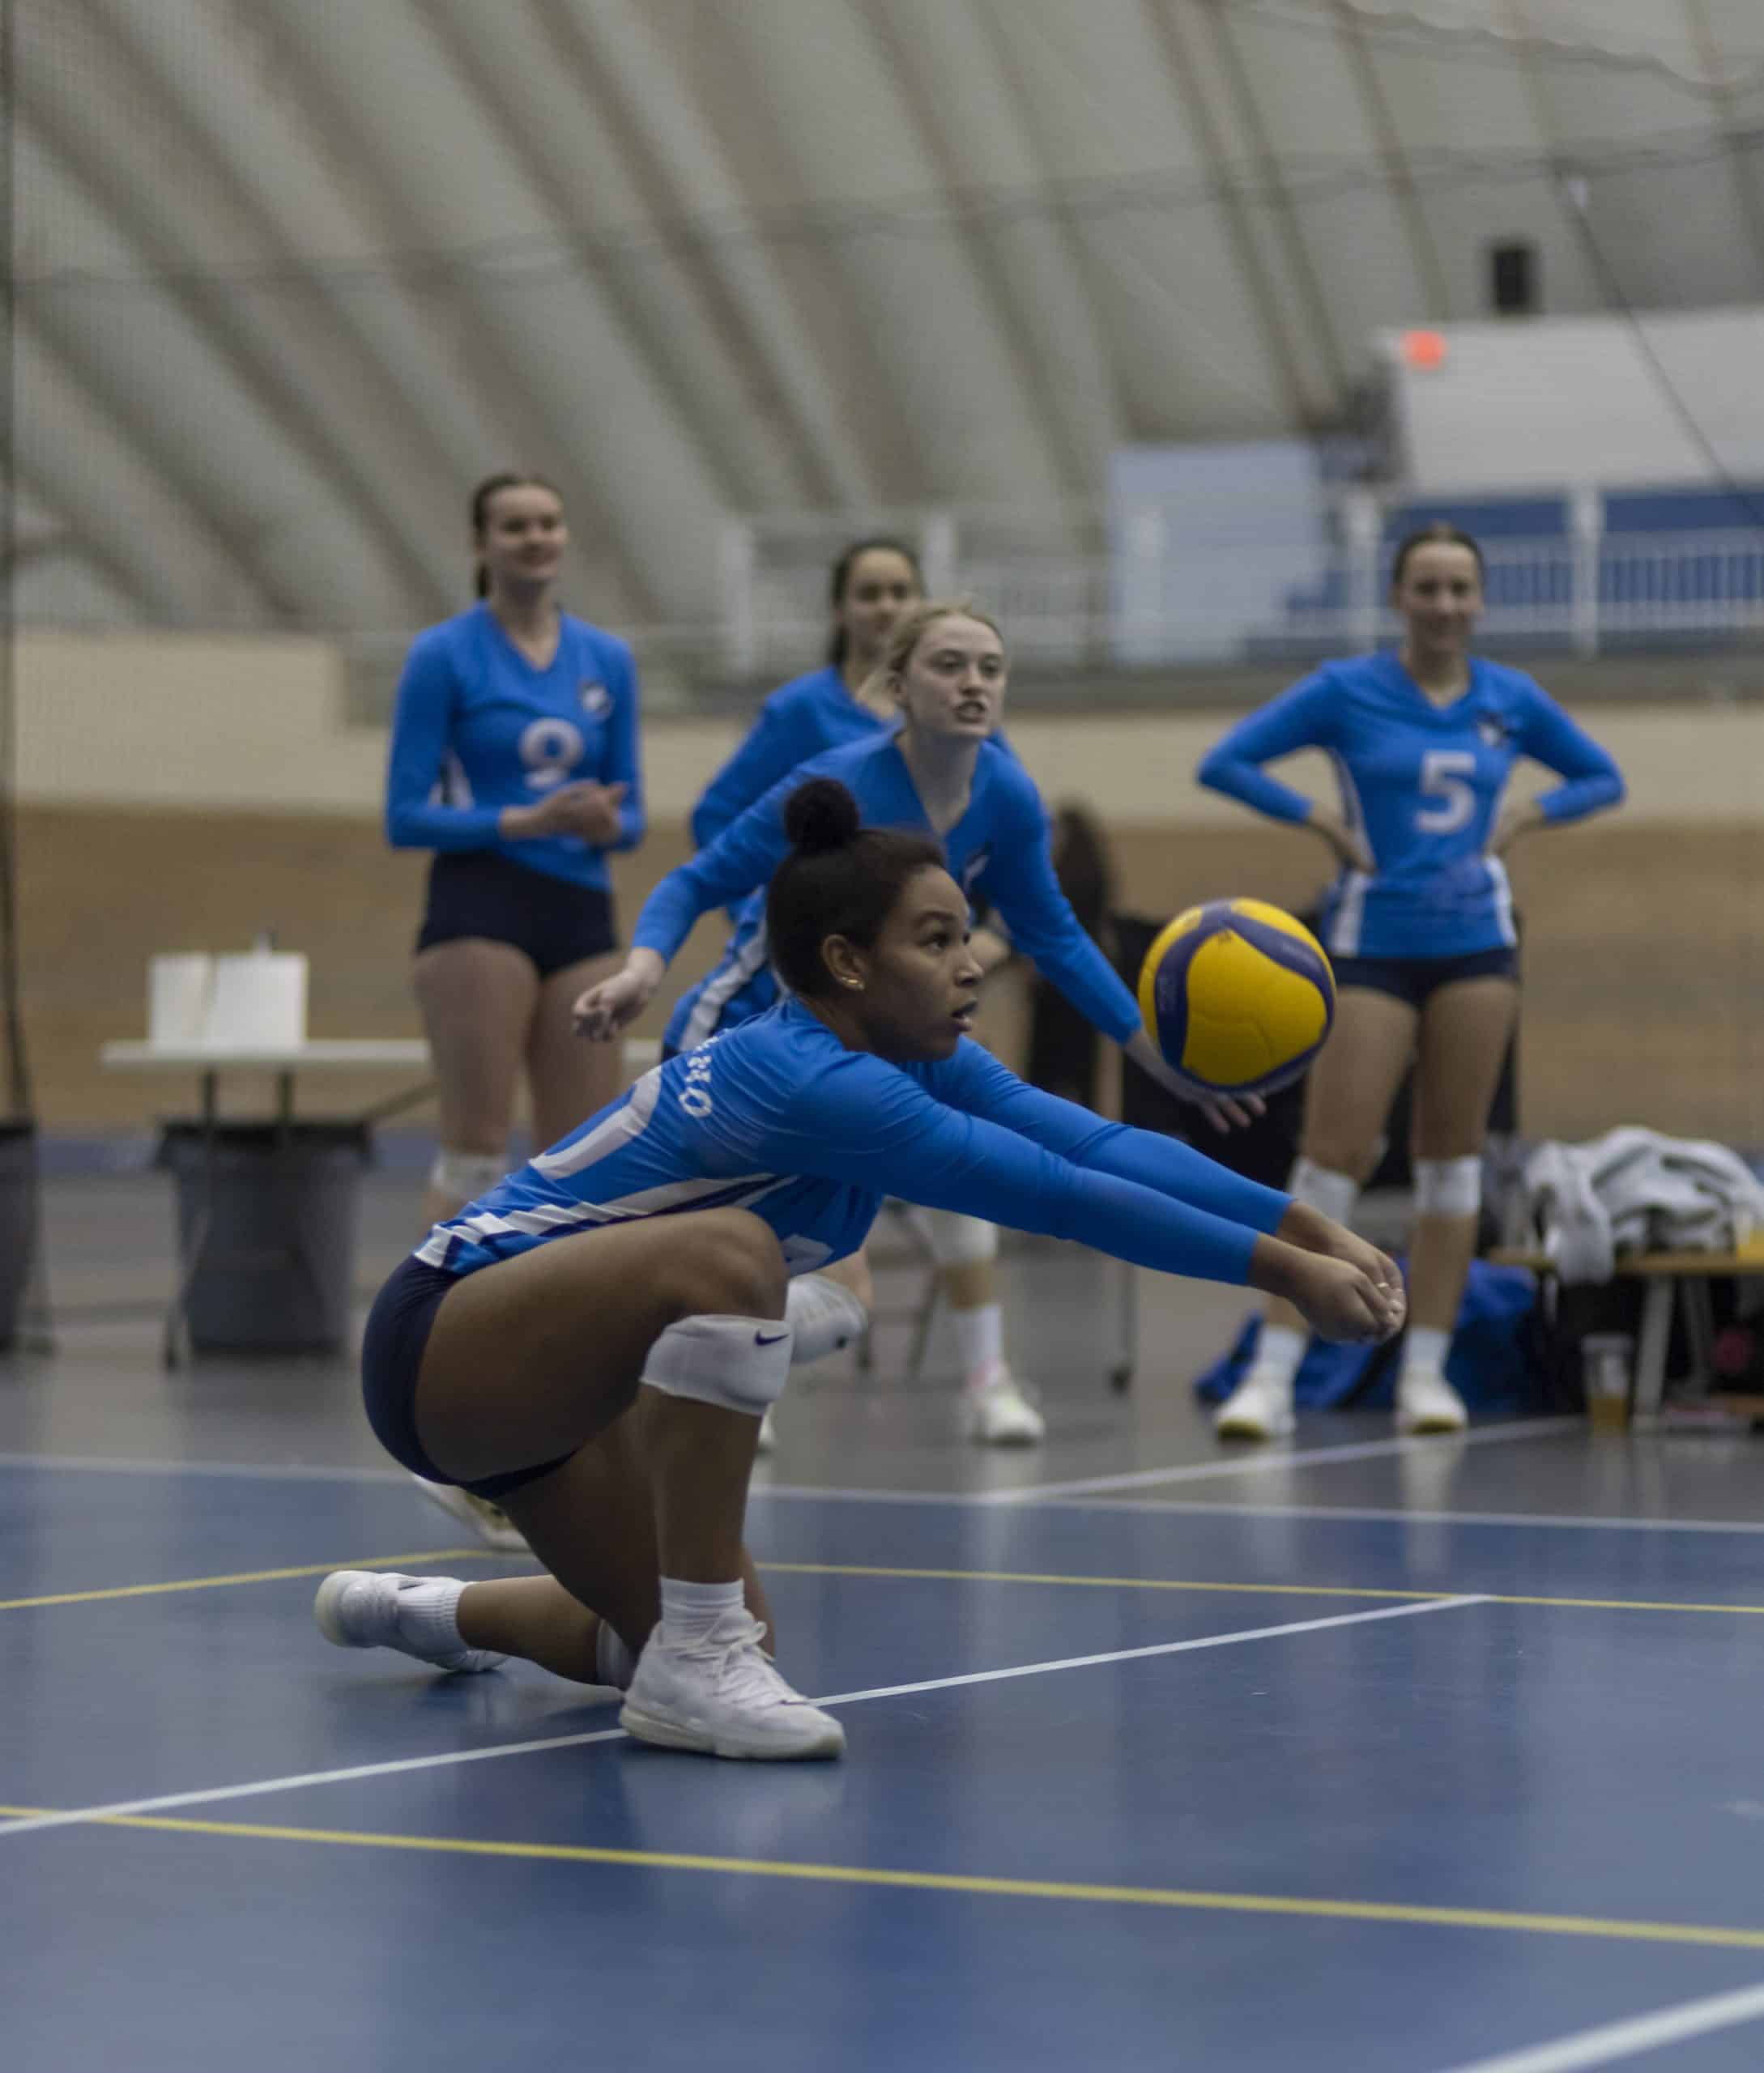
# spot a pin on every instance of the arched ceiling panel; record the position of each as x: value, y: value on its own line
x: 640, y: 70
x: 292, y: 273
x: 1123, y: 124
x: 1437, y: 123
x: 540, y: 319
x: 85, y: 465
x: 549, y: 117
x: 285, y: 351
x: 951, y: 383
x: 1675, y: 225
x: 263, y: 505
x: 1326, y: 172
x: 955, y: 77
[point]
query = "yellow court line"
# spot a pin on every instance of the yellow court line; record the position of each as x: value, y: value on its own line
x: 250, y: 1577
x: 1609, y: 1928
x: 902, y: 1574
x: 1260, y: 1591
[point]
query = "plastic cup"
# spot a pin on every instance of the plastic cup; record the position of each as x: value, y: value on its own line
x: 1607, y: 1368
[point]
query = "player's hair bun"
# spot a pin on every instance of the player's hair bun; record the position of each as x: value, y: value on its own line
x: 821, y: 815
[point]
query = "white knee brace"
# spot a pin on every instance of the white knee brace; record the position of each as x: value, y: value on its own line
x: 466, y: 1174
x: 1334, y: 1194
x: 959, y: 1241
x: 739, y: 1364
x: 1448, y: 1187
x: 825, y: 1315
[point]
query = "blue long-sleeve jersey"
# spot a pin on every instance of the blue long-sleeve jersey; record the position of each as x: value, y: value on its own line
x: 997, y: 852
x: 804, y: 717
x: 779, y: 1117
x: 478, y: 728
x: 1422, y: 784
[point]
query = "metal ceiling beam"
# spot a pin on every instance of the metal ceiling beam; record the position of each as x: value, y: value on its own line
x: 697, y: 380
x: 922, y: 48
x: 668, y: 159
x: 1296, y: 247
x: 1171, y: 25
x: 502, y: 353
x: 930, y: 376
x: 112, y: 163
x: 298, y: 347
x: 80, y: 456
x: 1381, y: 118
x: 1722, y: 102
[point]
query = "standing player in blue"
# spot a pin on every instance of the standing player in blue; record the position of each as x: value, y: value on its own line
x: 1419, y: 925
x: 594, y: 1341
x: 514, y: 758
x: 873, y: 582
x: 945, y: 669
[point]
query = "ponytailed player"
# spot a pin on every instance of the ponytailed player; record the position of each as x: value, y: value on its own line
x: 872, y: 583
x: 1419, y: 925
x: 946, y: 669
x: 594, y: 1342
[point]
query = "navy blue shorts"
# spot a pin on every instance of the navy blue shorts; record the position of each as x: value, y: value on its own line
x: 477, y: 892
x: 398, y: 1327
x: 1413, y: 979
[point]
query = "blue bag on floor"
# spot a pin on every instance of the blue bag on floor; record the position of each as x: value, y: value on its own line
x: 1492, y: 1364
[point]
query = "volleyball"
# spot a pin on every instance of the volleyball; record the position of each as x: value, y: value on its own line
x: 1237, y: 996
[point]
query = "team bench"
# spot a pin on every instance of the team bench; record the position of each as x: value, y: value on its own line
x: 1671, y: 1279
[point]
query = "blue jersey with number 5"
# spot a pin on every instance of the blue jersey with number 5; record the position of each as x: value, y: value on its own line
x: 478, y: 728
x: 1421, y: 784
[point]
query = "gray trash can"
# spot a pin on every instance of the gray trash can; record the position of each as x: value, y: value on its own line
x: 267, y: 1215
x: 18, y: 1223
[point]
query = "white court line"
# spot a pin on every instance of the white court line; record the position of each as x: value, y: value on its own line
x: 71, y: 1817
x: 1630, y: 2038
x: 1522, y: 1429
x: 1143, y: 1478
x: 1200, y: 1507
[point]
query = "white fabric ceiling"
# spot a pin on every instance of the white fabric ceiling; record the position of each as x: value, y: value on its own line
x: 292, y: 273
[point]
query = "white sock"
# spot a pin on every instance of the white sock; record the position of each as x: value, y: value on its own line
x: 614, y: 1662
x: 1279, y: 1349
x: 824, y: 1314
x: 1425, y: 1347
x: 979, y: 1339
x: 690, y: 1611
x: 428, y: 1612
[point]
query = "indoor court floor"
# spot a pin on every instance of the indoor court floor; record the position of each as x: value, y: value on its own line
x: 1359, y: 1755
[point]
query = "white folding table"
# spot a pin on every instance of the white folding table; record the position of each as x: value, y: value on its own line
x: 286, y: 1062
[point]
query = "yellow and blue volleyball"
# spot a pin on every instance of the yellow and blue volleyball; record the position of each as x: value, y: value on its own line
x: 1237, y: 996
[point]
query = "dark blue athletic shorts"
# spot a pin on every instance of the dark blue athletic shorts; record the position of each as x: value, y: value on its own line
x: 1413, y: 979
x: 476, y: 892
x: 398, y: 1327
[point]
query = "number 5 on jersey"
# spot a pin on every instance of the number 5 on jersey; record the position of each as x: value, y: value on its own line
x: 1445, y: 779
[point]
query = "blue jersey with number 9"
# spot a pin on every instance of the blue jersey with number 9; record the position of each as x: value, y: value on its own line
x: 1421, y: 784
x: 478, y: 728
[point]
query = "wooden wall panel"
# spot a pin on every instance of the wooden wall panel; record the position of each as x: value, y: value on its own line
x: 1644, y: 968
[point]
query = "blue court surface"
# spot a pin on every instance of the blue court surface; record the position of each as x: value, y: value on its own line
x: 1225, y: 1770
x: 1358, y: 1755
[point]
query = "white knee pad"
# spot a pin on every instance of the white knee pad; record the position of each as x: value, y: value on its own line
x: 1334, y: 1194
x: 467, y: 1174
x: 959, y: 1241
x: 825, y: 1315
x: 739, y: 1364
x: 1448, y: 1187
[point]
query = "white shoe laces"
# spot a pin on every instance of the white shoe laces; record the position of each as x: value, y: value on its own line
x: 742, y: 1672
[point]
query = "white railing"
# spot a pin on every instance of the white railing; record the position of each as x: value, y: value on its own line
x: 1069, y: 595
